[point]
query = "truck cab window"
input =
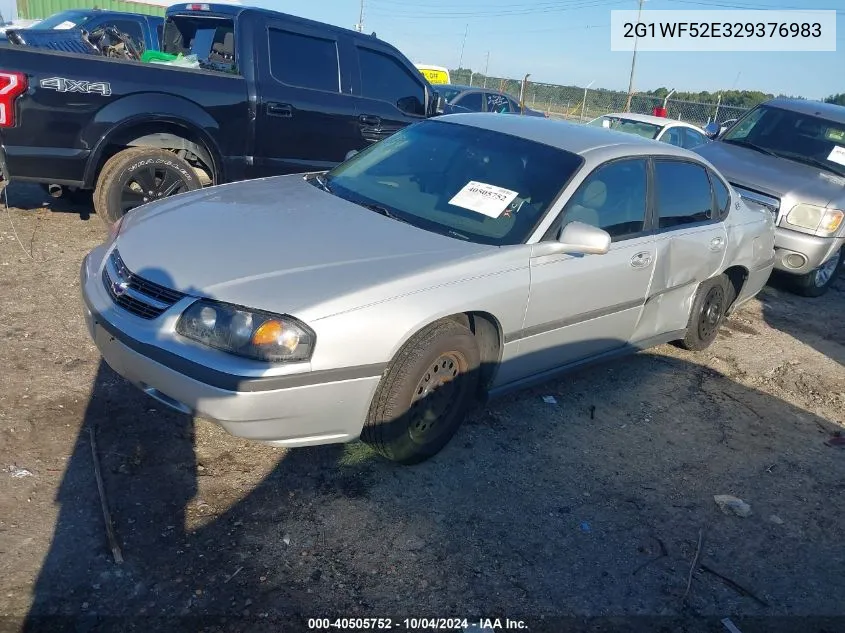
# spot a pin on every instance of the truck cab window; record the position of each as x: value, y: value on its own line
x: 304, y: 61
x: 211, y: 40
x: 384, y: 78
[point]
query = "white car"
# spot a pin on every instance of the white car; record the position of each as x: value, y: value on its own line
x: 658, y: 128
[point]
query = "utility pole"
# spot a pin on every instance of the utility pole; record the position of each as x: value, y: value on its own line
x: 633, y: 61
x: 360, y: 26
x: 486, y: 66
x: 461, y: 60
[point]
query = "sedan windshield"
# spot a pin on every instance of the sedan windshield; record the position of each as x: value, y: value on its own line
x: 803, y: 138
x: 449, y: 93
x: 640, y: 128
x: 457, y: 180
x: 62, y: 20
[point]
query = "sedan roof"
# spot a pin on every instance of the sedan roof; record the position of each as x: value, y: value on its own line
x: 572, y: 137
x: 650, y: 118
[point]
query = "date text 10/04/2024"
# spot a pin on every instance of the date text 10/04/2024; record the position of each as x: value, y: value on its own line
x: 417, y: 624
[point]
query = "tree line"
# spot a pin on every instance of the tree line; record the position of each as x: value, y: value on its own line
x: 573, y: 94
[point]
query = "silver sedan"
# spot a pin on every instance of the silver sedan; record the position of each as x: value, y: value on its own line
x: 461, y: 258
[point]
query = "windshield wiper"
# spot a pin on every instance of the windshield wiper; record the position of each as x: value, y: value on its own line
x: 323, y: 181
x: 751, y: 145
x: 382, y: 210
x: 809, y: 160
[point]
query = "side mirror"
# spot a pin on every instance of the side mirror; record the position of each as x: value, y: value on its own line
x: 350, y: 154
x: 712, y: 129
x: 577, y: 237
x: 439, y: 102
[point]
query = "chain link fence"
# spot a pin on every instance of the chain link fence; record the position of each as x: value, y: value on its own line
x: 582, y: 104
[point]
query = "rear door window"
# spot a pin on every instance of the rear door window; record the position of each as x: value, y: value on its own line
x: 683, y: 194
x: 498, y: 103
x: 304, y: 61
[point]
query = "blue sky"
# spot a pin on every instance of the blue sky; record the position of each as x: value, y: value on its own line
x: 568, y: 41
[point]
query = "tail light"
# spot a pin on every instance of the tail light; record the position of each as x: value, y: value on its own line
x: 12, y: 86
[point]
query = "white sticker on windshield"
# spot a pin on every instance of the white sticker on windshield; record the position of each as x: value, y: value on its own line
x: 837, y: 155
x: 605, y: 122
x: 64, y: 26
x: 483, y: 198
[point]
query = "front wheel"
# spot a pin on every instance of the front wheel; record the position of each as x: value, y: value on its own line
x: 425, y: 394
x: 139, y: 175
x: 708, y: 312
x: 817, y: 282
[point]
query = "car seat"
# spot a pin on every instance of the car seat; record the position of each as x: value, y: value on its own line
x: 587, y: 204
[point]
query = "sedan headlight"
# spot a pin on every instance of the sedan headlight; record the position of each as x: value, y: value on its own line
x: 250, y: 333
x: 818, y: 220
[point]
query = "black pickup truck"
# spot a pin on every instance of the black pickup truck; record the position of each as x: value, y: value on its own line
x: 273, y: 94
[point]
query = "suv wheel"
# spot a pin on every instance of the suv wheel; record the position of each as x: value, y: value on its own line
x: 139, y: 175
x: 817, y: 282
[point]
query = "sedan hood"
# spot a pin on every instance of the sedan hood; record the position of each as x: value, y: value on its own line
x: 281, y: 244
x: 778, y: 177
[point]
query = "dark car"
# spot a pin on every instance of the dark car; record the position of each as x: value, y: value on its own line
x: 133, y: 132
x: 477, y: 99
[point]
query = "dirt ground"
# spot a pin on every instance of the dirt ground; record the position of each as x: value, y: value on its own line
x: 590, y: 507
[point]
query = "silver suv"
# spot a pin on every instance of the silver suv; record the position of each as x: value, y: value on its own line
x: 788, y: 155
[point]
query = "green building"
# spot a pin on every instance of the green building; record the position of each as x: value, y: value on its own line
x: 40, y: 9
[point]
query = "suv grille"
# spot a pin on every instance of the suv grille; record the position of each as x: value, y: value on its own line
x: 760, y: 199
x: 135, y: 294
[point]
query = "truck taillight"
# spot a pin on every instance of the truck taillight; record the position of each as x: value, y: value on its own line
x: 198, y: 7
x: 12, y: 86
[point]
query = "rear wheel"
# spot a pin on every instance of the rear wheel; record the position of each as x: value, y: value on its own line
x: 139, y: 175
x: 425, y: 394
x: 817, y: 282
x: 709, y: 307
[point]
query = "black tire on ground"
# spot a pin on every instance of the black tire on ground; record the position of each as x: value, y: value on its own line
x: 711, y: 302
x: 139, y: 175
x: 817, y: 282
x: 425, y: 394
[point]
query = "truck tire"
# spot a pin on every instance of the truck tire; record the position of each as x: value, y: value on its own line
x: 709, y: 307
x: 139, y: 175
x: 425, y: 394
x: 817, y: 282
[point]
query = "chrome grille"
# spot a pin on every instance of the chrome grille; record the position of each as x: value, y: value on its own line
x: 135, y: 294
x: 760, y: 199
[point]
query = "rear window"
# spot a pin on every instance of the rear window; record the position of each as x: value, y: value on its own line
x: 304, y: 61
x: 212, y: 40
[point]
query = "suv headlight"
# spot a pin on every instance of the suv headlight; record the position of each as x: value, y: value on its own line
x: 818, y: 220
x: 250, y: 333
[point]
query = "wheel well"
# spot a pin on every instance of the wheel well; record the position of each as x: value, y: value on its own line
x: 737, y: 275
x: 488, y: 334
x: 170, y: 136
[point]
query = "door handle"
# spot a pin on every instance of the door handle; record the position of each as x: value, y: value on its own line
x: 284, y: 110
x: 717, y: 243
x: 369, y: 119
x: 641, y: 260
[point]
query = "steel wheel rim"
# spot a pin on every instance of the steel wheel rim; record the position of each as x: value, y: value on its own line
x: 711, y: 312
x: 825, y: 271
x: 152, y: 182
x: 436, y: 396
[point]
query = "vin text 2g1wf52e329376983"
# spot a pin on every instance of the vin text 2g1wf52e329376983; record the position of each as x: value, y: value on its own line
x: 273, y: 94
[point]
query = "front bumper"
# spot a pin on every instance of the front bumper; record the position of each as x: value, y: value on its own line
x: 813, y: 250
x: 300, y: 409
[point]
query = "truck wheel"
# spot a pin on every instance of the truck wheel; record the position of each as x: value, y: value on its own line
x: 711, y: 302
x: 425, y: 394
x: 817, y: 282
x: 139, y: 175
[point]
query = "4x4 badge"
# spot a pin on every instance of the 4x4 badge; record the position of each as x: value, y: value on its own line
x: 60, y: 84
